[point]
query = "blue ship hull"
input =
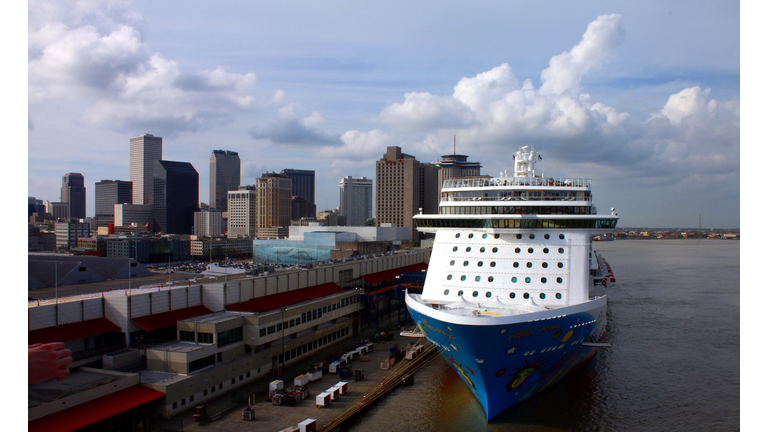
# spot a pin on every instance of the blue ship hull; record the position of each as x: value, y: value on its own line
x: 506, y: 363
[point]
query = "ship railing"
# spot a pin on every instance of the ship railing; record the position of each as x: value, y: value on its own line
x: 517, y: 181
x: 513, y: 198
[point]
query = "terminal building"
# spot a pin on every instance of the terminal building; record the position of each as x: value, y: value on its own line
x: 178, y: 346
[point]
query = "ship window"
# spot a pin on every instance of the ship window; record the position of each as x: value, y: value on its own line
x: 485, y: 236
x: 542, y: 296
x: 479, y: 263
x: 471, y: 235
x: 482, y: 249
x: 532, y: 236
x: 461, y: 292
x: 511, y: 295
x: 543, y: 280
x: 546, y: 250
x: 562, y: 236
x: 515, y: 264
x: 496, y: 236
x: 559, y: 265
x: 493, y: 263
x: 469, y: 249
x: 529, y: 264
x: 488, y: 294
x: 477, y: 278
x: 453, y: 262
x: 490, y: 278
x: 463, y: 277
x: 519, y: 236
x: 458, y: 235
x: 546, y: 236
x: 474, y: 294
x: 517, y: 250
x: 561, y: 250
x: 558, y: 296
x: 514, y: 279
x: 446, y: 292
x: 527, y: 280
x: 450, y: 277
x: 455, y: 248
x: 559, y: 280
x: 466, y: 263
x: 530, y: 250
x: 544, y: 265
x: 494, y: 250
x: 526, y: 295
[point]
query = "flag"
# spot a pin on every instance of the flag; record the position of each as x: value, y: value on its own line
x: 540, y: 157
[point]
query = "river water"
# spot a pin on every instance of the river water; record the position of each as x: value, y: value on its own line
x: 673, y: 322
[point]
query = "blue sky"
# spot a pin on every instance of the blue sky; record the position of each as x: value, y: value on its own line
x: 642, y: 97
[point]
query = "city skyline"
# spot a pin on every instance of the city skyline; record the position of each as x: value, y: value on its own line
x: 642, y: 98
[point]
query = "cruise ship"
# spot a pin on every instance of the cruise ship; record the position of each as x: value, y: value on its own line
x: 514, y: 297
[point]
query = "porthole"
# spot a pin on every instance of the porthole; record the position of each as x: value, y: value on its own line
x: 559, y: 280
x: 530, y: 250
x: 469, y: 248
x: 485, y: 236
x: 542, y: 296
x: 477, y: 278
x: 543, y: 280
x: 514, y: 279
x: 490, y: 278
x: 494, y: 250
x: 450, y: 277
x: 526, y: 295
x: 446, y: 292
x: 461, y: 292
x: 527, y: 280
x: 453, y: 262
x: 458, y: 235
x: 559, y: 265
x: 493, y: 263
x: 463, y: 277
x: 517, y: 250
x: 562, y: 236
x: 529, y: 264
x: 544, y: 265
x: 496, y: 236
x: 511, y: 295
x: 515, y: 264
x: 558, y: 296
x: 455, y: 248
x: 482, y: 250
x: 474, y: 294
x: 466, y: 263
x: 488, y: 294
x: 545, y: 250
x: 519, y: 236
x: 479, y: 263
x: 561, y: 250
x: 532, y: 236
x: 546, y: 236
x: 471, y: 235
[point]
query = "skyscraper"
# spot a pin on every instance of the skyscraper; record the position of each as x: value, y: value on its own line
x: 302, y: 183
x: 224, y: 177
x: 273, y: 201
x: 108, y: 193
x: 356, y: 196
x: 454, y: 166
x: 241, y: 218
x: 145, y: 151
x: 403, y: 185
x: 73, y: 193
x: 176, y: 194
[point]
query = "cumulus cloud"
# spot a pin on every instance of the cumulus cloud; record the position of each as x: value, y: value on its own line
x: 289, y: 129
x: 88, y: 52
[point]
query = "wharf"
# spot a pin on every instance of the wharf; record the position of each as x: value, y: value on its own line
x: 268, y: 417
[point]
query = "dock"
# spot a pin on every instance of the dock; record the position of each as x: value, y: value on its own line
x: 228, y: 409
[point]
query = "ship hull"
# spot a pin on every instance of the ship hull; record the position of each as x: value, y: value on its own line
x: 505, y: 360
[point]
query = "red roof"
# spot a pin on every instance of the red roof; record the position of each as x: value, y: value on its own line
x: 390, y: 274
x: 95, y: 410
x: 168, y: 319
x: 275, y: 301
x: 76, y: 330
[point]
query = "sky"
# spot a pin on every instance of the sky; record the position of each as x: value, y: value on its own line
x: 641, y: 97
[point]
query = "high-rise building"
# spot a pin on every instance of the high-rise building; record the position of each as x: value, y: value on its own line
x: 175, y: 196
x: 108, y: 193
x: 35, y: 205
x: 145, y: 151
x: 241, y: 219
x: 208, y: 223
x: 403, y: 186
x: 356, y: 200
x: 273, y: 201
x: 58, y: 210
x: 129, y: 214
x: 224, y: 177
x: 302, y: 184
x: 73, y: 193
x: 454, y: 166
x: 302, y: 209
x: 68, y: 232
